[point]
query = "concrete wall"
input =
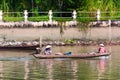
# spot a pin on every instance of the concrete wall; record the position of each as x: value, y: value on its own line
x: 54, y: 33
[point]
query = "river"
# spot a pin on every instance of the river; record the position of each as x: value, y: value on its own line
x: 20, y: 65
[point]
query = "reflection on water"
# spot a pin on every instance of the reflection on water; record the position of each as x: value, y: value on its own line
x: 14, y: 58
x: 19, y: 65
x: 26, y: 68
x: 101, y: 65
x: 1, y: 69
x: 58, y: 69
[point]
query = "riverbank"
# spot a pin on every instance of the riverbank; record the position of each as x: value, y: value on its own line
x: 31, y: 45
x: 72, y: 36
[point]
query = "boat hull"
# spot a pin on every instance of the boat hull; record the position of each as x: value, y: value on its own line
x: 18, y: 47
x: 81, y: 56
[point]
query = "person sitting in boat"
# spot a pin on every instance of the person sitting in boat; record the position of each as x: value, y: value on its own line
x: 48, y: 50
x: 101, y: 49
x: 38, y: 50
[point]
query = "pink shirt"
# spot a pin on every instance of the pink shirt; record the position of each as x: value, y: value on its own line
x: 102, y: 50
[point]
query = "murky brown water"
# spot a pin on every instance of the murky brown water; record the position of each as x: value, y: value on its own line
x: 19, y: 65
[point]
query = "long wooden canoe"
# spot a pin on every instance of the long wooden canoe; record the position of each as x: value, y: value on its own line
x: 81, y: 56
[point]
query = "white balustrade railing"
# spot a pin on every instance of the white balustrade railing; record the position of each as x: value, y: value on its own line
x: 80, y: 14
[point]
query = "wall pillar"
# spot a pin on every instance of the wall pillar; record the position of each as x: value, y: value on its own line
x: 50, y: 15
x: 1, y: 13
x: 74, y: 14
x: 98, y: 15
x: 25, y: 16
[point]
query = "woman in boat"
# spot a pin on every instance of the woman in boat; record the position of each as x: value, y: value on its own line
x: 48, y: 50
x: 101, y: 49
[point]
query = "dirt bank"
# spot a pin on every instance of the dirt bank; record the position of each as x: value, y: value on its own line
x: 71, y: 36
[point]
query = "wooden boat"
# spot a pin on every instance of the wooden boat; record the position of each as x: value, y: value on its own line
x: 81, y: 56
x: 31, y: 45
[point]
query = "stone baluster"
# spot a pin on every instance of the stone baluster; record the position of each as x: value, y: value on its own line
x: 25, y: 16
x: 50, y: 15
x: 1, y: 13
x: 98, y: 15
x: 74, y: 14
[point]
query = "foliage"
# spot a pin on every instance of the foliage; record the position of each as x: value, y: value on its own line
x: 62, y: 19
x: 69, y: 41
x: 61, y: 28
x: 107, y: 7
x: 14, y: 19
x: 83, y: 27
x: 39, y: 18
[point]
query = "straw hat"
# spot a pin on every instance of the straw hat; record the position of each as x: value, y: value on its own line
x: 101, y: 44
x: 48, y: 46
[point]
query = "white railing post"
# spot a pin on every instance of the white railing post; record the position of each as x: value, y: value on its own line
x: 74, y: 14
x: 98, y: 15
x: 1, y: 13
x: 25, y: 16
x: 50, y: 15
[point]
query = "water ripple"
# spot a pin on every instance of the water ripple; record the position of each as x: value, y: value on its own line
x: 14, y: 58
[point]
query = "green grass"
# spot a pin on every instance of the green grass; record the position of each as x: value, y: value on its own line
x: 62, y: 19
x: 37, y: 19
x: 13, y: 19
x: 59, y: 19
